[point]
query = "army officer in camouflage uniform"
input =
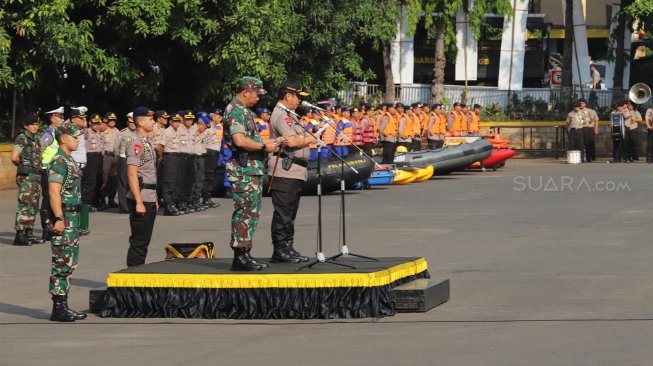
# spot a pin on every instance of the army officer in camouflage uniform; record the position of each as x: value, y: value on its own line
x: 244, y: 170
x: 26, y: 155
x: 64, y: 186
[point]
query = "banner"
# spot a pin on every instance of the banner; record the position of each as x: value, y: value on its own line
x: 513, y: 47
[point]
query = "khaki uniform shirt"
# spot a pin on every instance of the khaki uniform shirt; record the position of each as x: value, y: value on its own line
x: 199, y: 147
x: 170, y: 140
x: 186, y: 137
x: 649, y: 116
x: 402, y: 126
x: 140, y: 153
x: 636, y: 115
x: 281, y: 123
x: 94, y: 141
x: 212, y: 140
x: 110, y: 138
x: 575, y: 120
x: 156, y: 135
x: 124, y: 139
x: 593, y: 116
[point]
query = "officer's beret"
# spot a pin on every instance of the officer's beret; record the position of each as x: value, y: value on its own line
x: 142, y: 112
x: 66, y: 129
x: 30, y: 119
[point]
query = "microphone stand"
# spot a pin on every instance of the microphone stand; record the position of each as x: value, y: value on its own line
x: 320, y: 257
x: 344, y: 250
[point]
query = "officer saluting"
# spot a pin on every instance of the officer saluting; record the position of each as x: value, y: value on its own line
x: 141, y: 175
x: 26, y: 155
x: 291, y: 174
x: 244, y: 170
x: 64, y: 186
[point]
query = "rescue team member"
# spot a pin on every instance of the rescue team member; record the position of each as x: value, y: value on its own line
x: 329, y: 134
x: 262, y: 122
x: 64, y: 187
x: 312, y: 125
x: 416, y: 136
x: 169, y: 157
x: 357, y: 130
x: 245, y: 170
x: 186, y: 173
x: 286, y: 189
x: 344, y: 133
x: 474, y: 121
x: 388, y: 132
x: 94, y: 152
x: 426, y: 116
x: 620, y: 144
x: 49, y: 147
x: 575, y: 121
x: 368, y: 127
x: 212, y: 141
x: 454, y: 119
x: 161, y: 118
x: 110, y: 136
x: 123, y: 184
x: 433, y: 127
x: 633, y: 140
x: 405, y: 127
x: 590, y: 130
x: 26, y: 156
x: 649, y: 135
x: 141, y: 174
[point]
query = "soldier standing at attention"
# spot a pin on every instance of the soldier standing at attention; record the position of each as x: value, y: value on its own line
x: 161, y: 118
x: 26, y: 155
x: 94, y: 151
x: 49, y: 148
x: 212, y: 142
x: 123, y: 184
x: 64, y: 186
x: 291, y: 174
x: 186, y: 175
x: 244, y: 170
x: 433, y: 127
x: 199, y: 148
x: 141, y: 198
x: 169, y: 157
x: 110, y: 161
x: 575, y: 121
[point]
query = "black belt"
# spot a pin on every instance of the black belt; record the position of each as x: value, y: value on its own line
x: 579, y: 128
x: 107, y: 153
x: 148, y: 186
x: 26, y: 170
x: 171, y: 154
x: 211, y: 152
x: 94, y: 153
x: 71, y: 208
x: 296, y: 160
x: 188, y: 156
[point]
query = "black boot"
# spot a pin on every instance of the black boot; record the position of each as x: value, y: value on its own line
x: 60, y: 311
x: 210, y: 204
x: 181, y: 207
x: 242, y: 262
x: 29, y: 233
x: 228, y: 193
x: 169, y: 210
x: 102, y: 205
x: 294, y: 253
x: 112, y: 202
x: 77, y: 315
x: 198, y: 206
x: 257, y: 261
x: 91, y: 208
x: 22, y: 239
x: 189, y: 207
x: 280, y: 253
x: 83, y: 232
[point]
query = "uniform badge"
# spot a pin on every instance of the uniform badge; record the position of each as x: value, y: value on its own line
x: 289, y: 121
x: 137, y: 149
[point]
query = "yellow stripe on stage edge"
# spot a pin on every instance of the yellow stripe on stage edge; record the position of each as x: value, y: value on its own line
x: 298, y: 280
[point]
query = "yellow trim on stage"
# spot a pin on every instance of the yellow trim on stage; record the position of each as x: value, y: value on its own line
x: 293, y: 280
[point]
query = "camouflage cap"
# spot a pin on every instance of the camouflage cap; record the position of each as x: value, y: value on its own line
x: 67, y: 129
x: 253, y: 84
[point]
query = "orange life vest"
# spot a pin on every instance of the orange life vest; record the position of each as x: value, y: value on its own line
x: 329, y: 135
x: 219, y: 133
x: 369, y: 132
x: 458, y: 123
x: 435, y: 128
x: 417, y: 124
x: 408, y: 127
x: 357, y: 132
x: 262, y: 127
x: 346, y: 130
x: 474, y: 126
x: 392, y: 128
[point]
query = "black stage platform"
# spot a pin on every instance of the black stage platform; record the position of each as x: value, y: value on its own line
x: 208, y: 289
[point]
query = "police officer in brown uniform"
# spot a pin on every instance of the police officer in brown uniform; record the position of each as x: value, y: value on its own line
x: 290, y: 172
x: 404, y: 136
x: 186, y: 174
x: 161, y: 118
x: 169, y: 157
x: 575, y: 121
x: 590, y: 130
x: 649, y: 135
x: 212, y: 141
x: 141, y: 199
x: 633, y: 138
x: 94, y: 152
x: 199, y: 149
x: 123, y: 184
x: 110, y: 161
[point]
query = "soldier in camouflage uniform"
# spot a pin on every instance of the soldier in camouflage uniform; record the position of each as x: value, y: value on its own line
x: 244, y: 170
x: 26, y: 155
x: 65, y: 187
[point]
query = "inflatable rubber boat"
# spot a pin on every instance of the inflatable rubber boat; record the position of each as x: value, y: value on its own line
x: 496, y: 160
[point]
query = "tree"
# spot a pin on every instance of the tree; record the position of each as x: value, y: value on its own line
x: 440, y: 20
x: 568, y: 56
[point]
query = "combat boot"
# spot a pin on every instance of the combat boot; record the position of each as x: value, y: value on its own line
x: 102, y: 205
x: 257, y: 261
x: 242, y: 262
x: 83, y: 232
x: 189, y: 207
x: 199, y: 205
x: 280, y: 253
x: 207, y: 202
x: 22, y: 239
x: 112, y: 202
x: 60, y: 312
x: 228, y: 193
x: 78, y: 315
x: 294, y: 253
x: 29, y: 233
x: 91, y: 208
x: 169, y: 210
x: 181, y: 207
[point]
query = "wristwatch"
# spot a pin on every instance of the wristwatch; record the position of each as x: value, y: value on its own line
x: 60, y: 218
x: 263, y: 146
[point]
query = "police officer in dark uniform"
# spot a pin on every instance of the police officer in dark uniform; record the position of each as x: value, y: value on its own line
x: 290, y: 172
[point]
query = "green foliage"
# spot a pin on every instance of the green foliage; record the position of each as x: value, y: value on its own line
x: 526, y: 108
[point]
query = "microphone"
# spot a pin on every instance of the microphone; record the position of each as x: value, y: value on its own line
x: 290, y: 111
x: 312, y: 106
